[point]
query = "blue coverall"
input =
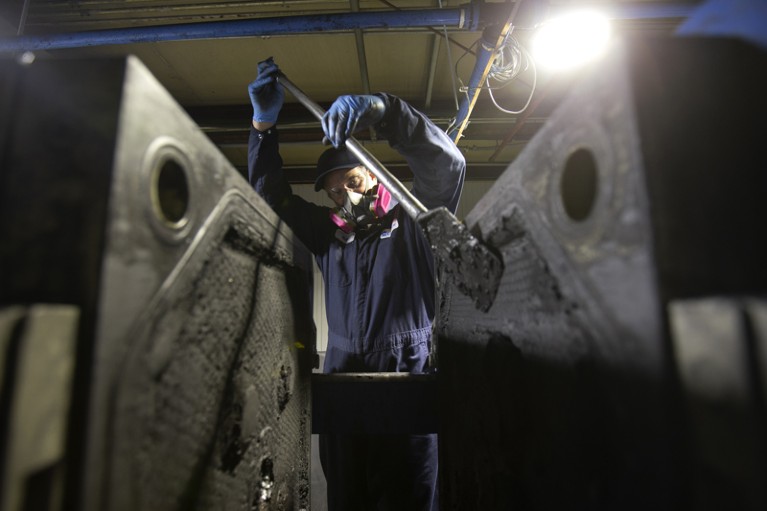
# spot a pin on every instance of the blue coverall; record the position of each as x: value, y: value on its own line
x: 379, y: 292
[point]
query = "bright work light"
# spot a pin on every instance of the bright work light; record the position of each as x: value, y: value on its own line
x: 571, y: 40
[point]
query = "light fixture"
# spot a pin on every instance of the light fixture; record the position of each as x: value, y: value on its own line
x: 571, y: 40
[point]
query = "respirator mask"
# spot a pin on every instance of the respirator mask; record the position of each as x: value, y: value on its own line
x: 362, y: 211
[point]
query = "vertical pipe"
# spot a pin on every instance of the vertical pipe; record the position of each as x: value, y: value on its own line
x: 485, y: 54
x: 432, y: 70
x: 433, y: 64
x: 492, y: 38
x: 450, y: 69
x: 23, y: 18
x: 363, y: 61
x: 361, y: 56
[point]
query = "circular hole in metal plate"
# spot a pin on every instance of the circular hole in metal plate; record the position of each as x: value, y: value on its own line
x: 171, y: 193
x: 578, y: 184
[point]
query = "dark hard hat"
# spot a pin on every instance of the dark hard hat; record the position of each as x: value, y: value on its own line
x: 333, y: 159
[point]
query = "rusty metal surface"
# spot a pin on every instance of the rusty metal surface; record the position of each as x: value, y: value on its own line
x: 196, y: 342
x: 567, y: 394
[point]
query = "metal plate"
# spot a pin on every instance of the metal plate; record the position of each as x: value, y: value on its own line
x: 645, y: 186
x: 196, y: 340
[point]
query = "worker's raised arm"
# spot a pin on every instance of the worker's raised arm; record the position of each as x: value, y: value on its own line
x: 438, y: 166
x: 265, y: 173
x: 264, y: 160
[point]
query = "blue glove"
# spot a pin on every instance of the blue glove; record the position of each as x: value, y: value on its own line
x: 265, y: 94
x: 349, y: 114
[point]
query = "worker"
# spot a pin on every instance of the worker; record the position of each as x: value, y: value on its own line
x: 378, y: 271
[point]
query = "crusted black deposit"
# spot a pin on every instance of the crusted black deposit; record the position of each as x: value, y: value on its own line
x: 474, y: 267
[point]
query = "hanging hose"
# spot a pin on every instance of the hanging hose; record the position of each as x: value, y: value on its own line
x: 512, y: 58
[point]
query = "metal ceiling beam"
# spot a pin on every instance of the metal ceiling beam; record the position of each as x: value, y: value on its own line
x: 434, y: 30
x: 468, y: 17
x: 96, y: 9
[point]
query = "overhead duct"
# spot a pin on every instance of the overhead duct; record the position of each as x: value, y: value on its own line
x: 467, y: 17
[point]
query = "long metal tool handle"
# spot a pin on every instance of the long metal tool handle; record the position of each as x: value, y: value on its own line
x: 410, y: 204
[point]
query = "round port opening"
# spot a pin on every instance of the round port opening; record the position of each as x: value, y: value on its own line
x: 171, y: 193
x: 579, y: 185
